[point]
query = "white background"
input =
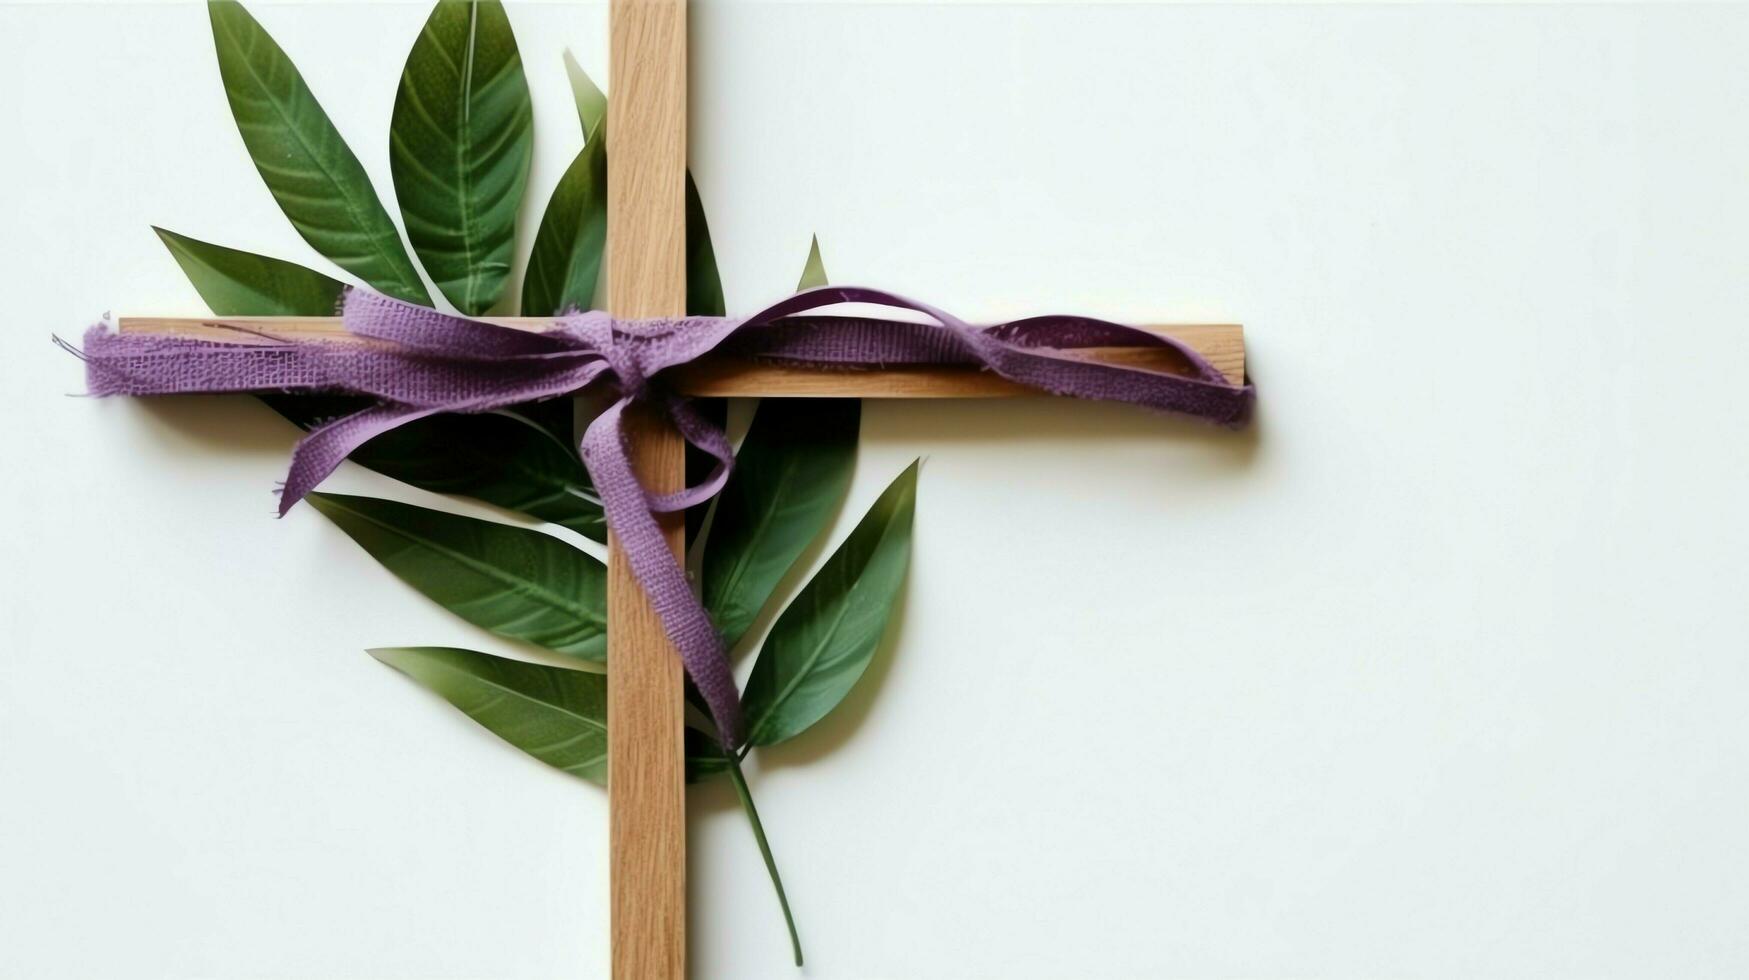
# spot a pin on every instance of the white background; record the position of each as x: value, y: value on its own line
x: 1440, y: 670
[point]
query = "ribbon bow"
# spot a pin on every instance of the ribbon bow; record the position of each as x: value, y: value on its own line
x: 418, y: 362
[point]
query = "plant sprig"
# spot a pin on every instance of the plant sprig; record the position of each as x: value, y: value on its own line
x: 460, y: 144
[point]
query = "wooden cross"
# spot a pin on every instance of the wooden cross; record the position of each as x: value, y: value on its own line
x: 646, y: 276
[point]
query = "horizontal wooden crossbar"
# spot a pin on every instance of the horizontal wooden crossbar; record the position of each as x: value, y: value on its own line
x: 1222, y: 344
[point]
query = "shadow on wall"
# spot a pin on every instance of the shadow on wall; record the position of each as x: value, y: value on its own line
x: 240, y: 424
x: 1158, y: 448
x: 237, y: 425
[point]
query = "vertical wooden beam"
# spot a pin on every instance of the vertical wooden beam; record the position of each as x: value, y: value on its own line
x: 646, y: 277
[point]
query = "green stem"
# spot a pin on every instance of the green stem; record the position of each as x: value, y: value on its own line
x: 740, y: 782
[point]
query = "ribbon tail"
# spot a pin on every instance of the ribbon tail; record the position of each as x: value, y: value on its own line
x: 325, y: 447
x: 641, y: 544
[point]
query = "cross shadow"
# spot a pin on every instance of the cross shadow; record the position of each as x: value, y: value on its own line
x: 1201, y: 449
x: 1214, y: 454
x: 234, y: 424
x: 1192, y: 452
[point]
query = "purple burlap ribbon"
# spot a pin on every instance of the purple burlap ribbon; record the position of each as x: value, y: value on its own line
x: 418, y: 362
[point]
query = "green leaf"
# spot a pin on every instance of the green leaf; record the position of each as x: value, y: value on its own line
x: 236, y: 283
x: 513, y: 459
x: 564, y: 267
x: 233, y: 282
x: 513, y: 581
x: 558, y: 716
x: 704, y: 289
x: 565, y: 277
x: 312, y: 173
x: 591, y: 102
x: 565, y: 264
x: 823, y: 641
x: 790, y: 474
x: 814, y: 271
x: 460, y: 141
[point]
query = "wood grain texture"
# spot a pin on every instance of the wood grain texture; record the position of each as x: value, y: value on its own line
x: 1222, y: 344
x: 646, y: 276
x: 646, y: 767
